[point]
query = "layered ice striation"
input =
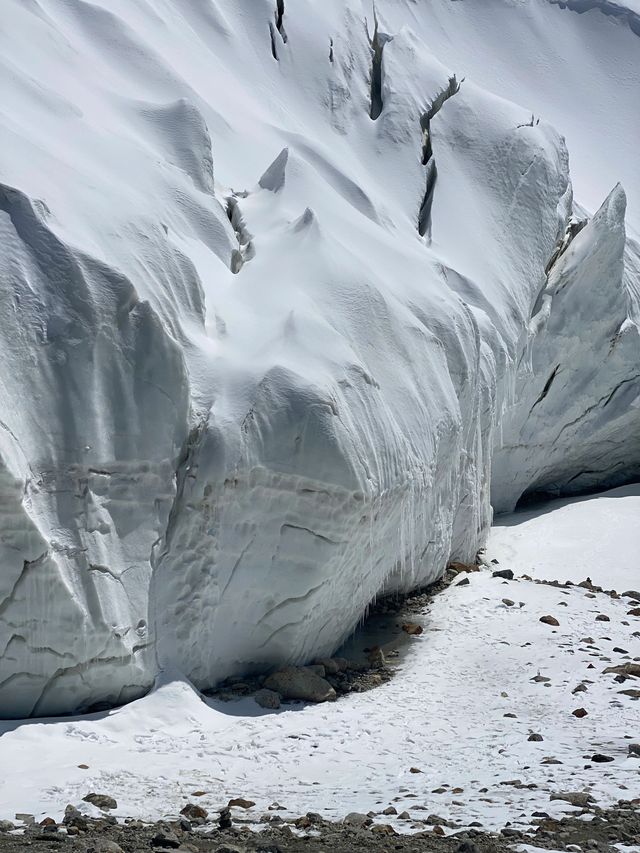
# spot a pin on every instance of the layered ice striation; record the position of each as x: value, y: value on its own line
x: 255, y: 373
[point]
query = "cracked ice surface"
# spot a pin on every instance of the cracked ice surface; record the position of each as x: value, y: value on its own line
x: 214, y: 465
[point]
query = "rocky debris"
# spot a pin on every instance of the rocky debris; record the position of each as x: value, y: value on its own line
x: 581, y: 688
x: 508, y: 602
x: 635, y: 611
x: 634, y: 749
x: 550, y: 620
x: 506, y: 574
x: 104, y: 845
x: 358, y: 820
x: 599, y: 758
x: 412, y: 628
x: 296, y: 682
x: 463, y: 582
x: 602, y: 617
x: 535, y: 737
x: 632, y: 593
x: 165, y: 838
x: 102, y: 801
x: 389, y: 810
x: 224, y: 820
x: 73, y: 817
x: 631, y: 691
x: 576, y: 798
x: 241, y: 803
x: 629, y: 670
x: 192, y: 811
x: 269, y: 699
x: 579, y: 713
x: 6, y: 826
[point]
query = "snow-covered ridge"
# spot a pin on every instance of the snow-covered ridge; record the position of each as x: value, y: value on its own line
x: 276, y: 284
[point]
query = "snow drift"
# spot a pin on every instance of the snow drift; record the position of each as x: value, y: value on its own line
x: 277, y: 286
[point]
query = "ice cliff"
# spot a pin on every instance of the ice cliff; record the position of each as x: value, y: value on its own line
x: 292, y: 294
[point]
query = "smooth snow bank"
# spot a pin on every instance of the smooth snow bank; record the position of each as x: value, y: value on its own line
x: 443, y: 713
x: 568, y: 539
x: 243, y: 395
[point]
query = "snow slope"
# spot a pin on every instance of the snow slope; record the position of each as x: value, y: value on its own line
x: 275, y: 286
x: 443, y: 713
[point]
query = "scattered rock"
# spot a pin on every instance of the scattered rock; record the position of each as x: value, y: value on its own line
x: 268, y: 699
x: 632, y: 593
x: 6, y: 826
x: 581, y: 688
x: 602, y: 617
x: 631, y: 670
x: 299, y: 683
x: 598, y: 758
x: 224, y: 820
x: 414, y: 770
x: 635, y: 611
x: 358, y: 820
x: 579, y: 713
x: 165, y: 837
x: 542, y: 679
x: 404, y: 816
x: 463, y: 582
x: 192, y: 811
x: 390, y: 810
x: 104, y: 845
x: 634, y: 749
x: 240, y: 803
x: 577, y: 798
x: 507, y: 602
x: 535, y: 737
x: 620, y: 651
x: 412, y: 628
x: 550, y: 620
x: 507, y: 574
x: 102, y: 801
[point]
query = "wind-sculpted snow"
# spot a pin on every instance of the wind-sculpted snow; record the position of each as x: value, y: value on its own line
x: 255, y: 371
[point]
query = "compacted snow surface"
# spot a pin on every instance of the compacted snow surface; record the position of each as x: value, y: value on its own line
x: 443, y: 713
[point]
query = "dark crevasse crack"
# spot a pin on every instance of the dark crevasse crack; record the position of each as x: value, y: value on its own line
x: 245, y: 250
x: 546, y: 388
x: 331, y: 51
x: 377, y: 43
x: 574, y: 227
x: 428, y: 160
x: 278, y: 28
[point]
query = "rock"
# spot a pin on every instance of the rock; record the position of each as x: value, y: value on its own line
x: 598, y: 758
x: 535, y: 737
x: 102, y: 801
x: 358, y: 820
x: 507, y: 574
x: 632, y: 593
x: 26, y: 818
x: 390, y: 810
x: 601, y: 617
x: 383, y: 829
x: 192, y: 811
x: 331, y: 666
x: 467, y: 847
x: 224, y: 821
x: 507, y: 602
x: 579, y: 713
x: 631, y: 670
x: 463, y: 582
x: 299, y: 683
x: 267, y: 698
x: 581, y: 688
x: 577, y: 798
x: 404, y: 816
x: 6, y: 826
x: 550, y: 620
x: 412, y: 628
x: 165, y: 837
x: 226, y: 848
x: 438, y: 830
x: 240, y: 803
x: 457, y: 568
x: 414, y: 770
x: 376, y: 657
x: 541, y: 679
x: 635, y: 611
x: 74, y: 817
x: 631, y: 691
x: 634, y: 749
x: 104, y: 845
x: 316, y: 669
x: 620, y: 651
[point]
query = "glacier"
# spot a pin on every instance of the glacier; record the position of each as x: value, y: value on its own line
x: 294, y: 294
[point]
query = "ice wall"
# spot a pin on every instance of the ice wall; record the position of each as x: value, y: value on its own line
x: 274, y: 289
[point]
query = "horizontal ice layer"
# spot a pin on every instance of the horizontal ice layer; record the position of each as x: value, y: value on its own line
x: 237, y: 409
